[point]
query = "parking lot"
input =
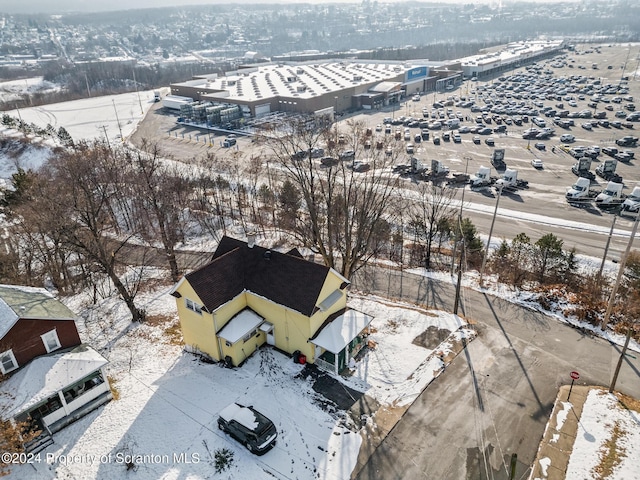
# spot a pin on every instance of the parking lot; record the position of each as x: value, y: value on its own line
x: 590, y: 79
x: 569, y: 85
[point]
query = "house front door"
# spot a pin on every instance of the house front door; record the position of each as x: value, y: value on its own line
x: 267, y: 328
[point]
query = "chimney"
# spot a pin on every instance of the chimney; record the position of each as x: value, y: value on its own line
x: 251, y: 239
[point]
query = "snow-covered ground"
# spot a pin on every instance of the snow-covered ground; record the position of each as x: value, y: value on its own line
x: 117, y: 115
x: 601, y: 440
x: 607, y: 444
x: 16, y: 89
x: 169, y: 400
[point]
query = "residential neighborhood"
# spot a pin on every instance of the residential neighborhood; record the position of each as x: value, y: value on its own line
x: 319, y: 241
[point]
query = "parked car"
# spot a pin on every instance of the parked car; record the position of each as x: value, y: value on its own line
x: 490, y: 141
x: 537, y: 163
x: 567, y: 138
x: 249, y: 427
x: 436, y: 140
x: 476, y: 140
x: 540, y: 146
x: 346, y: 155
x: 329, y: 161
x: 360, y: 166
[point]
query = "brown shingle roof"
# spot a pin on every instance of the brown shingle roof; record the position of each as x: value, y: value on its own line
x: 282, y: 278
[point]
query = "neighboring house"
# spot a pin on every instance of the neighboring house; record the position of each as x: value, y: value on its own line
x: 32, y: 323
x: 248, y: 296
x: 54, y: 379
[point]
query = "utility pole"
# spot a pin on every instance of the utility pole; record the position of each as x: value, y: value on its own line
x: 622, y: 354
x: 117, y: 119
x: 455, y: 245
x: 623, y: 262
x: 486, y: 251
x: 104, y: 128
x: 606, y: 249
x: 86, y: 81
x: 137, y: 91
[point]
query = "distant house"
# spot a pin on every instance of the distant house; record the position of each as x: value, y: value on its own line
x: 53, y: 378
x: 248, y: 296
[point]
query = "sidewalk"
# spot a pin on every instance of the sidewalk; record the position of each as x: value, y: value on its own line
x: 557, y: 442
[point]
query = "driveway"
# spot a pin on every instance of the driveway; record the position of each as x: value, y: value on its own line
x: 493, y: 400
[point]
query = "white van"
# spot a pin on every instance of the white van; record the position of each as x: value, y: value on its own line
x: 453, y: 123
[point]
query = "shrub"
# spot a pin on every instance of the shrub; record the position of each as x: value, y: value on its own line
x: 223, y: 459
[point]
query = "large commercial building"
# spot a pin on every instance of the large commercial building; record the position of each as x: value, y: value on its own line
x: 511, y: 56
x: 327, y: 86
x: 320, y: 87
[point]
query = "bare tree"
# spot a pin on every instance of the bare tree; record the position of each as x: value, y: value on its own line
x: 161, y: 194
x: 86, y: 214
x: 432, y: 207
x: 345, y: 213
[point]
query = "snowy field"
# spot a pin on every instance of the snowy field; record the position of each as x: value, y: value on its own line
x: 117, y: 115
x: 170, y: 400
x: 15, y: 89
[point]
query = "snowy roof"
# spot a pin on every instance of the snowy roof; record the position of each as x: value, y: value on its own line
x: 29, y: 302
x: 296, y: 80
x: 243, y: 323
x: 46, y: 375
x: 240, y: 414
x: 344, y: 328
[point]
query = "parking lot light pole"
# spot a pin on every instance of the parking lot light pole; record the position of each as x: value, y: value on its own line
x: 486, y: 250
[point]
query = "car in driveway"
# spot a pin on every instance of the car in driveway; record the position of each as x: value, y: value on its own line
x: 249, y: 427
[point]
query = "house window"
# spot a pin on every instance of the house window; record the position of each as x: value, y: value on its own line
x: 50, y: 340
x: 193, y: 306
x: 8, y: 361
x: 248, y: 336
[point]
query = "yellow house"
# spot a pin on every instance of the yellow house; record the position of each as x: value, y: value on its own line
x: 248, y: 296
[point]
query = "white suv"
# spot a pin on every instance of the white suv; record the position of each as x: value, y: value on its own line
x: 567, y: 137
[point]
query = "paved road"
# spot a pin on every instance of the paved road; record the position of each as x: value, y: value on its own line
x: 494, y: 399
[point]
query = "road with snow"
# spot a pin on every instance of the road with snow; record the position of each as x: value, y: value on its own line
x: 495, y: 398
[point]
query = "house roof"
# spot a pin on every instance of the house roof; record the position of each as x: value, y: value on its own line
x: 344, y: 327
x: 285, y: 279
x: 18, y: 301
x: 241, y: 324
x: 46, y: 375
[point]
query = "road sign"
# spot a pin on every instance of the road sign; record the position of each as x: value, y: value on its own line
x: 575, y: 375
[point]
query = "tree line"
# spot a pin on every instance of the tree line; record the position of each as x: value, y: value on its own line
x: 96, y: 212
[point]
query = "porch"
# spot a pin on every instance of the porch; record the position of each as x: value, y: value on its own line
x: 55, y: 390
x: 340, y: 340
